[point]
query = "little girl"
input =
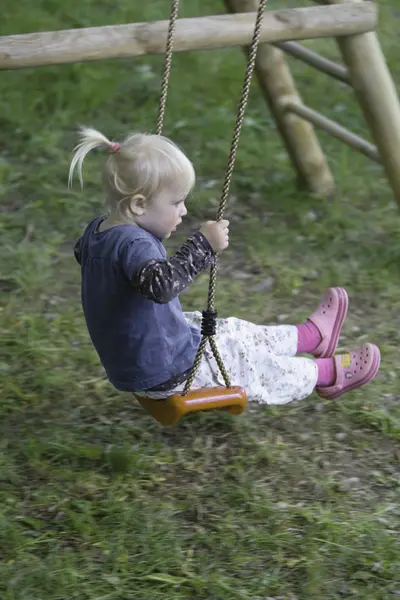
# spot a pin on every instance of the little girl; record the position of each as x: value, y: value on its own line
x: 130, y: 292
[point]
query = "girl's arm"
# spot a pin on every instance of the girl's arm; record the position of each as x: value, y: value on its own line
x: 163, y: 280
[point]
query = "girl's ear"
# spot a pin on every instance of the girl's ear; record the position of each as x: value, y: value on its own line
x: 137, y: 205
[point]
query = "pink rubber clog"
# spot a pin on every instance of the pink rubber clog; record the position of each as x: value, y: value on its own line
x: 329, y: 318
x: 353, y: 370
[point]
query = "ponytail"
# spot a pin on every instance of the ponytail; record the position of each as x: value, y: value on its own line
x: 89, y: 140
x: 144, y: 164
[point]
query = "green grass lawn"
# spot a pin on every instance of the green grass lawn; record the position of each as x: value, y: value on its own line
x: 98, y: 502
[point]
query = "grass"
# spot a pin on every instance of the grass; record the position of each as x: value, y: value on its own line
x: 97, y: 501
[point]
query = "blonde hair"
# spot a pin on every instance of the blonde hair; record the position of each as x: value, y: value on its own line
x: 141, y: 165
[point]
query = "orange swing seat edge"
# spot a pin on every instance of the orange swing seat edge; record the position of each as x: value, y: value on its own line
x: 169, y: 411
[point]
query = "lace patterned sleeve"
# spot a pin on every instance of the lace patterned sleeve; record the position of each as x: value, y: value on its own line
x: 163, y: 280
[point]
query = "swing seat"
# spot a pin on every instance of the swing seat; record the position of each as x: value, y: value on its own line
x: 170, y: 410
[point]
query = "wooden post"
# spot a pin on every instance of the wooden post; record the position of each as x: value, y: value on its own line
x: 376, y: 94
x: 278, y: 87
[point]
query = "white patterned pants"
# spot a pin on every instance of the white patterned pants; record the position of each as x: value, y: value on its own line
x: 259, y: 358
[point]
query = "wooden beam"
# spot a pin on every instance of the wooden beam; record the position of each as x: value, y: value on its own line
x: 325, y: 65
x: 136, y: 39
x: 338, y: 131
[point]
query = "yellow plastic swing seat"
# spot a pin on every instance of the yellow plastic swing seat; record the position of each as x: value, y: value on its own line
x: 170, y: 410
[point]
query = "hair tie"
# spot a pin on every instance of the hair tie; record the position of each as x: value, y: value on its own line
x: 114, y: 147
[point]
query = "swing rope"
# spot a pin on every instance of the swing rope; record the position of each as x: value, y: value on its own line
x: 167, y: 65
x: 209, y: 321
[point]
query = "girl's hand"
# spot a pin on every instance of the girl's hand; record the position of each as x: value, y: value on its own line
x: 217, y: 234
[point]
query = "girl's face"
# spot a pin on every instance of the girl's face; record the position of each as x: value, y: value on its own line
x: 163, y: 214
